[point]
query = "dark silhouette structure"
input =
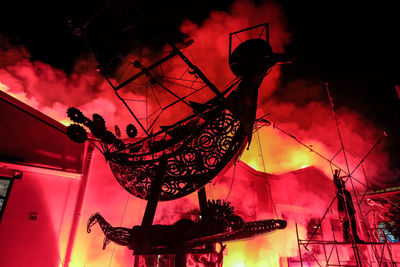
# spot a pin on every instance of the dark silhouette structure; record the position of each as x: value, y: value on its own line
x: 167, y: 162
x: 346, y: 210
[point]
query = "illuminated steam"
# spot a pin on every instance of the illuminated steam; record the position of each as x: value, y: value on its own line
x: 52, y: 91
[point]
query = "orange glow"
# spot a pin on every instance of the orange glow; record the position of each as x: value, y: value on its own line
x: 264, y: 251
x: 281, y: 153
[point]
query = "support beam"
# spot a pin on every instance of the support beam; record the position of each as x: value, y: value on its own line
x: 201, y: 194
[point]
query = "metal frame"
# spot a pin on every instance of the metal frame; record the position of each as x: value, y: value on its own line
x: 382, y: 254
x: 189, y: 162
x: 359, y: 257
x: 360, y: 260
x: 13, y: 174
x: 264, y: 30
x: 175, y: 51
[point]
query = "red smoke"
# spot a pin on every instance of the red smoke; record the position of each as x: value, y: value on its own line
x: 211, y: 47
x: 52, y: 91
x: 314, y: 125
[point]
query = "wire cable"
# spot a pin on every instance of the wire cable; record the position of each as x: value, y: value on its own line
x: 233, y: 178
x: 120, y: 224
x: 265, y: 171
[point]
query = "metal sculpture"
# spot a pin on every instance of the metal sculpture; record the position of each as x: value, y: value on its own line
x: 191, y: 152
x: 181, y: 158
x: 218, y: 225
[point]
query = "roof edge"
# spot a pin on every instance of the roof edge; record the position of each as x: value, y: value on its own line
x: 32, y: 112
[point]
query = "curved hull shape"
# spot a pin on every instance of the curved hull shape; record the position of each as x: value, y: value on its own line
x: 185, y: 156
x: 199, y: 155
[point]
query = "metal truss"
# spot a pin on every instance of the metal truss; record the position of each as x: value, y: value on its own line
x: 363, y: 254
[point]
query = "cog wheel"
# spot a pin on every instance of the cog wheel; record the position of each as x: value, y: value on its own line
x: 77, y: 133
x: 108, y: 138
x: 131, y: 131
x: 75, y: 115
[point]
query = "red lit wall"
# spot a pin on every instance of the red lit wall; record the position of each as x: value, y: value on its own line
x: 297, y: 196
x: 39, y: 242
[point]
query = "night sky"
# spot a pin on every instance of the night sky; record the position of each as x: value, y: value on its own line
x: 353, y: 47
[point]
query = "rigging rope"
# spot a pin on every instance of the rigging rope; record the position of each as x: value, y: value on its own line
x: 233, y: 177
x: 265, y: 171
x: 120, y: 224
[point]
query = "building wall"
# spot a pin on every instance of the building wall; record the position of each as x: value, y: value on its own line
x: 298, y: 196
x: 41, y: 242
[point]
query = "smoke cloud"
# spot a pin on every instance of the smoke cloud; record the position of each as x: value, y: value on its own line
x: 298, y: 107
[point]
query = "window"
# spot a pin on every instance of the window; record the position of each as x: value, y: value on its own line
x: 7, y: 177
x: 314, y: 229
